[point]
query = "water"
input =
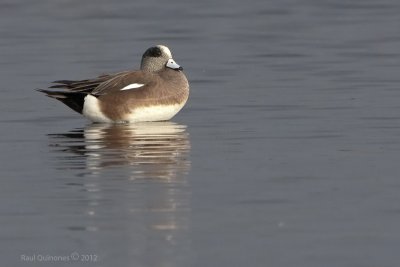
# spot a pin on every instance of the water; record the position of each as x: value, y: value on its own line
x: 285, y: 155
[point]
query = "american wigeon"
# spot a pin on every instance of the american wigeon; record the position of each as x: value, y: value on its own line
x: 156, y: 92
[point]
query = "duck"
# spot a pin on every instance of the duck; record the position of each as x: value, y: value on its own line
x: 155, y: 92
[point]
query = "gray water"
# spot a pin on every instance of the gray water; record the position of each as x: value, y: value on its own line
x: 287, y: 153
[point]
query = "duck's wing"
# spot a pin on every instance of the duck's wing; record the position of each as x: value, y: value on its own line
x: 84, y: 86
x: 125, y: 81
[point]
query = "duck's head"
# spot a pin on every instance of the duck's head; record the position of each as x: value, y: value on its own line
x: 157, y: 58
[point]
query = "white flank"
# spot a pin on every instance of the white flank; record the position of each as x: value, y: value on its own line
x: 154, y: 113
x: 91, y: 110
x: 132, y: 86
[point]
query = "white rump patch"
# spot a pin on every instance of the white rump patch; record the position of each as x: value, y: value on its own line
x: 91, y: 110
x: 132, y: 86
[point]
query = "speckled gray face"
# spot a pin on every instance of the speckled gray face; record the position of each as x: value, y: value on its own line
x: 173, y: 65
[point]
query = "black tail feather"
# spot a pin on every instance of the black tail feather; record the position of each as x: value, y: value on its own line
x: 74, y: 100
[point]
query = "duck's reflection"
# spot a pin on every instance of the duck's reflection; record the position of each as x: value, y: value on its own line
x: 134, y: 180
x: 154, y: 150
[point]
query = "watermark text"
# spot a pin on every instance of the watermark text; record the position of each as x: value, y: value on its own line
x: 72, y: 257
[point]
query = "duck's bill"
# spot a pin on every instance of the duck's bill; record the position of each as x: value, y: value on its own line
x: 173, y: 65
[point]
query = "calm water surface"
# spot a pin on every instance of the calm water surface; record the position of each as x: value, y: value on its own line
x: 287, y: 153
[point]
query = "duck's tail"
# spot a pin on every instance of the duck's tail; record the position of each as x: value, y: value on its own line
x: 74, y: 100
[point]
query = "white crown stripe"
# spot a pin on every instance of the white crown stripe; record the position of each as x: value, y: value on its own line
x: 132, y: 86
